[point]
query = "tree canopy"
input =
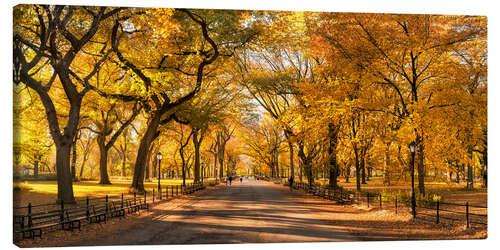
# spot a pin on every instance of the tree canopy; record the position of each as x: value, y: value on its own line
x: 272, y: 93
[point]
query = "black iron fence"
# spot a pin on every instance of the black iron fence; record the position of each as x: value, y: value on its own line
x: 433, y: 211
x: 35, y: 217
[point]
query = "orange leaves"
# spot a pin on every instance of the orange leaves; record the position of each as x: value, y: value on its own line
x: 159, y: 20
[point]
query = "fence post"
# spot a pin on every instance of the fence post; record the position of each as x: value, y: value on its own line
x: 176, y: 190
x: 368, y: 199
x: 87, y: 205
x: 62, y: 211
x: 106, y: 203
x: 30, y: 222
x: 396, y: 204
x: 380, y: 199
x: 135, y: 196
x: 172, y: 189
x: 437, y: 212
x: 122, y: 200
x: 166, y: 191
x: 153, y: 195
x: 145, y: 195
x: 467, y: 214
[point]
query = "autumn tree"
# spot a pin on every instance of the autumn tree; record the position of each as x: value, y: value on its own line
x: 186, y: 43
x: 48, y: 43
x: 31, y: 144
x: 404, y: 53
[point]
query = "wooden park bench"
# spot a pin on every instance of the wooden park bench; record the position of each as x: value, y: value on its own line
x: 116, y: 211
x: 98, y: 214
x: 36, y: 222
x: 68, y: 219
x: 315, y: 190
x: 343, y: 198
x: 322, y: 193
x: 32, y: 225
x: 131, y: 206
x: 134, y: 205
x: 73, y: 217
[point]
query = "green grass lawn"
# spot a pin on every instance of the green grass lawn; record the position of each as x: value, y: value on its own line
x: 447, y: 191
x: 93, y: 188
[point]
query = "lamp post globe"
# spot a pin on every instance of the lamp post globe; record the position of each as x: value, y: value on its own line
x: 413, y: 147
x: 159, y: 156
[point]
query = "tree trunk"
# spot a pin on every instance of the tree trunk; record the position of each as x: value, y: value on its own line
x: 73, y: 160
x: 196, y: 144
x: 183, y: 170
x: 183, y: 162
x: 306, y: 164
x: 301, y: 171
x: 332, y: 153
x: 387, y: 165
x: 470, y: 177
x: 154, y: 169
x: 142, y: 154
x: 103, y: 161
x: 35, y: 169
x: 215, y: 165
x: 35, y: 166
x: 124, y: 162
x: 347, y: 173
x: 64, y: 181
x: 290, y: 149
x: 362, y: 167
x: 356, y: 164
x: 275, y: 158
x: 273, y: 170
x: 221, y: 162
x: 310, y: 177
x: 421, y: 169
x: 485, y: 169
x: 150, y: 169
x: 85, y: 157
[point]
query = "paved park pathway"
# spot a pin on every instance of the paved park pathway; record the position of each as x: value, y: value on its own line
x: 248, y: 212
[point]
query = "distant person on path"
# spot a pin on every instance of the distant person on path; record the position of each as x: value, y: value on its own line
x: 290, y: 181
x: 241, y: 179
x: 230, y: 180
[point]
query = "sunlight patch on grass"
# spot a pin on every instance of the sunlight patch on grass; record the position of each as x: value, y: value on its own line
x: 93, y: 188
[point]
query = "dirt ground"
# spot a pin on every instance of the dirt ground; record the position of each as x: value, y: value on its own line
x: 254, y: 212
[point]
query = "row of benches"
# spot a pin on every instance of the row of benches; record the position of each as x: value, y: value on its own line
x: 338, y: 195
x: 31, y: 225
x: 175, y: 190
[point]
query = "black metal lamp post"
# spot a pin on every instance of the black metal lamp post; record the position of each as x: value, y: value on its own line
x: 159, y: 156
x: 413, y: 147
x: 202, y: 168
